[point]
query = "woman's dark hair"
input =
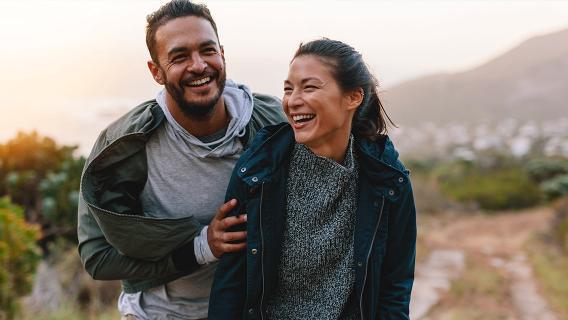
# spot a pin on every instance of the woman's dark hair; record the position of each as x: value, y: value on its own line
x: 351, y: 72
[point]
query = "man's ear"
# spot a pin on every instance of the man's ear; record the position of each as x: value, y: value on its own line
x: 354, y: 98
x: 156, y: 71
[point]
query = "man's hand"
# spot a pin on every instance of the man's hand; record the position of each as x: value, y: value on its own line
x: 217, y: 236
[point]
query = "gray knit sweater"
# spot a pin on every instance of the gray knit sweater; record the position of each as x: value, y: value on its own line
x: 316, y: 275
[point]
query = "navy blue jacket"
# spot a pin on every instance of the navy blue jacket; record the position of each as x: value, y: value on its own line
x: 385, y: 231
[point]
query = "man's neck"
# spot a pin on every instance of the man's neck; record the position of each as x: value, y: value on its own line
x: 200, y: 127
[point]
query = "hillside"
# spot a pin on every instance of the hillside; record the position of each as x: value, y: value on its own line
x: 528, y: 82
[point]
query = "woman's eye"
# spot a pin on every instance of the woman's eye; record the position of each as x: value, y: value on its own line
x: 287, y: 90
x: 310, y: 88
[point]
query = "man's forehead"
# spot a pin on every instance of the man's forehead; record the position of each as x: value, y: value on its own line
x: 186, y: 30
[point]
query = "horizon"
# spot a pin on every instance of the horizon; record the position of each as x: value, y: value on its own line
x: 69, y: 77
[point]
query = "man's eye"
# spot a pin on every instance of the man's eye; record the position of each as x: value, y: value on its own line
x: 310, y: 88
x: 178, y: 59
x: 210, y: 51
x: 287, y: 90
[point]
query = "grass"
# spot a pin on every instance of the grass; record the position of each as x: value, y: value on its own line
x: 480, y: 293
x: 551, y: 269
x: 71, y: 312
x: 479, y: 280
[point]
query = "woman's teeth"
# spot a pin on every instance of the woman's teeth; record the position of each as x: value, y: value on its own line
x: 303, y: 117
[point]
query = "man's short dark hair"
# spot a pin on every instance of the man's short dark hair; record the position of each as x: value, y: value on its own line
x: 169, y: 11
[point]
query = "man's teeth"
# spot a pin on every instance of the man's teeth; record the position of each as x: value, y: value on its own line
x: 200, y: 81
x: 303, y: 117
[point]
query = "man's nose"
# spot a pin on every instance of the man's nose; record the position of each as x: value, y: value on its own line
x: 198, y: 64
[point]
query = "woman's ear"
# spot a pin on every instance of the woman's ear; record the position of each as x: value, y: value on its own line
x: 354, y: 98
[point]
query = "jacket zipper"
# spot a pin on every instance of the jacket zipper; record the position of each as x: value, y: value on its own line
x: 261, y: 252
x: 367, y: 259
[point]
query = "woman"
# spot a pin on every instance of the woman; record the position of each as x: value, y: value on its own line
x: 331, y: 218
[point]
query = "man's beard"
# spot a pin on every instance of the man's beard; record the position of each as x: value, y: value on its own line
x: 197, y: 110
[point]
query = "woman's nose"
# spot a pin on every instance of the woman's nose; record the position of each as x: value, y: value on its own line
x: 295, y: 99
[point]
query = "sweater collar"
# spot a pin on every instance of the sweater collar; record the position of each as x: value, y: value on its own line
x: 378, y: 160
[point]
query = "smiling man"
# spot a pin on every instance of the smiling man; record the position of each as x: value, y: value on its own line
x: 152, y: 210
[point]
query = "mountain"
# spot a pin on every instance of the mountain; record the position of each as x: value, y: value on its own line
x: 528, y: 82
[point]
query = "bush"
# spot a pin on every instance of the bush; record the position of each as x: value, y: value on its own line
x: 19, y: 256
x: 428, y: 196
x: 541, y: 170
x: 561, y: 222
x: 43, y: 178
x: 59, y: 192
x: 491, y: 189
x: 556, y: 187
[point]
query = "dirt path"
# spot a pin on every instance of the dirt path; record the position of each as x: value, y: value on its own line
x: 489, y: 244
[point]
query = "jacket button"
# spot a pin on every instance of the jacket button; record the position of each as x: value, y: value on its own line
x: 243, y: 169
x: 401, y: 179
x: 359, y: 264
x: 254, y: 251
x: 375, y: 203
x: 254, y: 179
x: 252, y: 190
x: 391, y: 192
x: 251, y: 311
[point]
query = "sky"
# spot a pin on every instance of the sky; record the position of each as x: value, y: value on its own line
x: 71, y: 67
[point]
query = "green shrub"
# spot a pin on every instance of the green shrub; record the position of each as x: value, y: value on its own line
x: 561, y: 222
x: 544, y: 169
x: 59, y: 192
x: 491, y: 189
x: 556, y: 187
x: 43, y: 178
x: 19, y: 256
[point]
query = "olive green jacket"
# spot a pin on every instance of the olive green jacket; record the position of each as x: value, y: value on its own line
x: 116, y: 240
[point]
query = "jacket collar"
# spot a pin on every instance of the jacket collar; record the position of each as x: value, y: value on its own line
x: 272, y: 147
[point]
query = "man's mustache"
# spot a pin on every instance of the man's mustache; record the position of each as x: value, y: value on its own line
x: 194, y: 77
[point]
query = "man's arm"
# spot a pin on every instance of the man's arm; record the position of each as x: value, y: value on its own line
x: 103, y: 262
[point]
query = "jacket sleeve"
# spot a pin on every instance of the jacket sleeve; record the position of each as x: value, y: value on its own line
x: 228, y: 293
x: 397, y: 275
x: 103, y: 262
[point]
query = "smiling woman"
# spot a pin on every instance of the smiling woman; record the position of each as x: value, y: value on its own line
x: 316, y: 107
x: 331, y: 223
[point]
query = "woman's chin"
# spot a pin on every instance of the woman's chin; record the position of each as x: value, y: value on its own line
x: 301, y: 137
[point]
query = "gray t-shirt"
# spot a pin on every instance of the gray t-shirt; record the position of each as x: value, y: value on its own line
x: 179, y: 184
x: 187, y: 176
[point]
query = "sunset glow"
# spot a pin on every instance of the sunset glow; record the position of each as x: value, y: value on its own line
x: 71, y: 67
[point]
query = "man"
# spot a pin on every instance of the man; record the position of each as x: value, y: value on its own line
x: 156, y: 176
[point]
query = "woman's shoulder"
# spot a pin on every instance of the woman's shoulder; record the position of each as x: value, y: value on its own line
x: 267, y: 151
x: 382, y: 150
x: 379, y: 160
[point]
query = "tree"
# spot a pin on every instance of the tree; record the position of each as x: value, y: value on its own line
x: 43, y: 178
x: 19, y: 256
